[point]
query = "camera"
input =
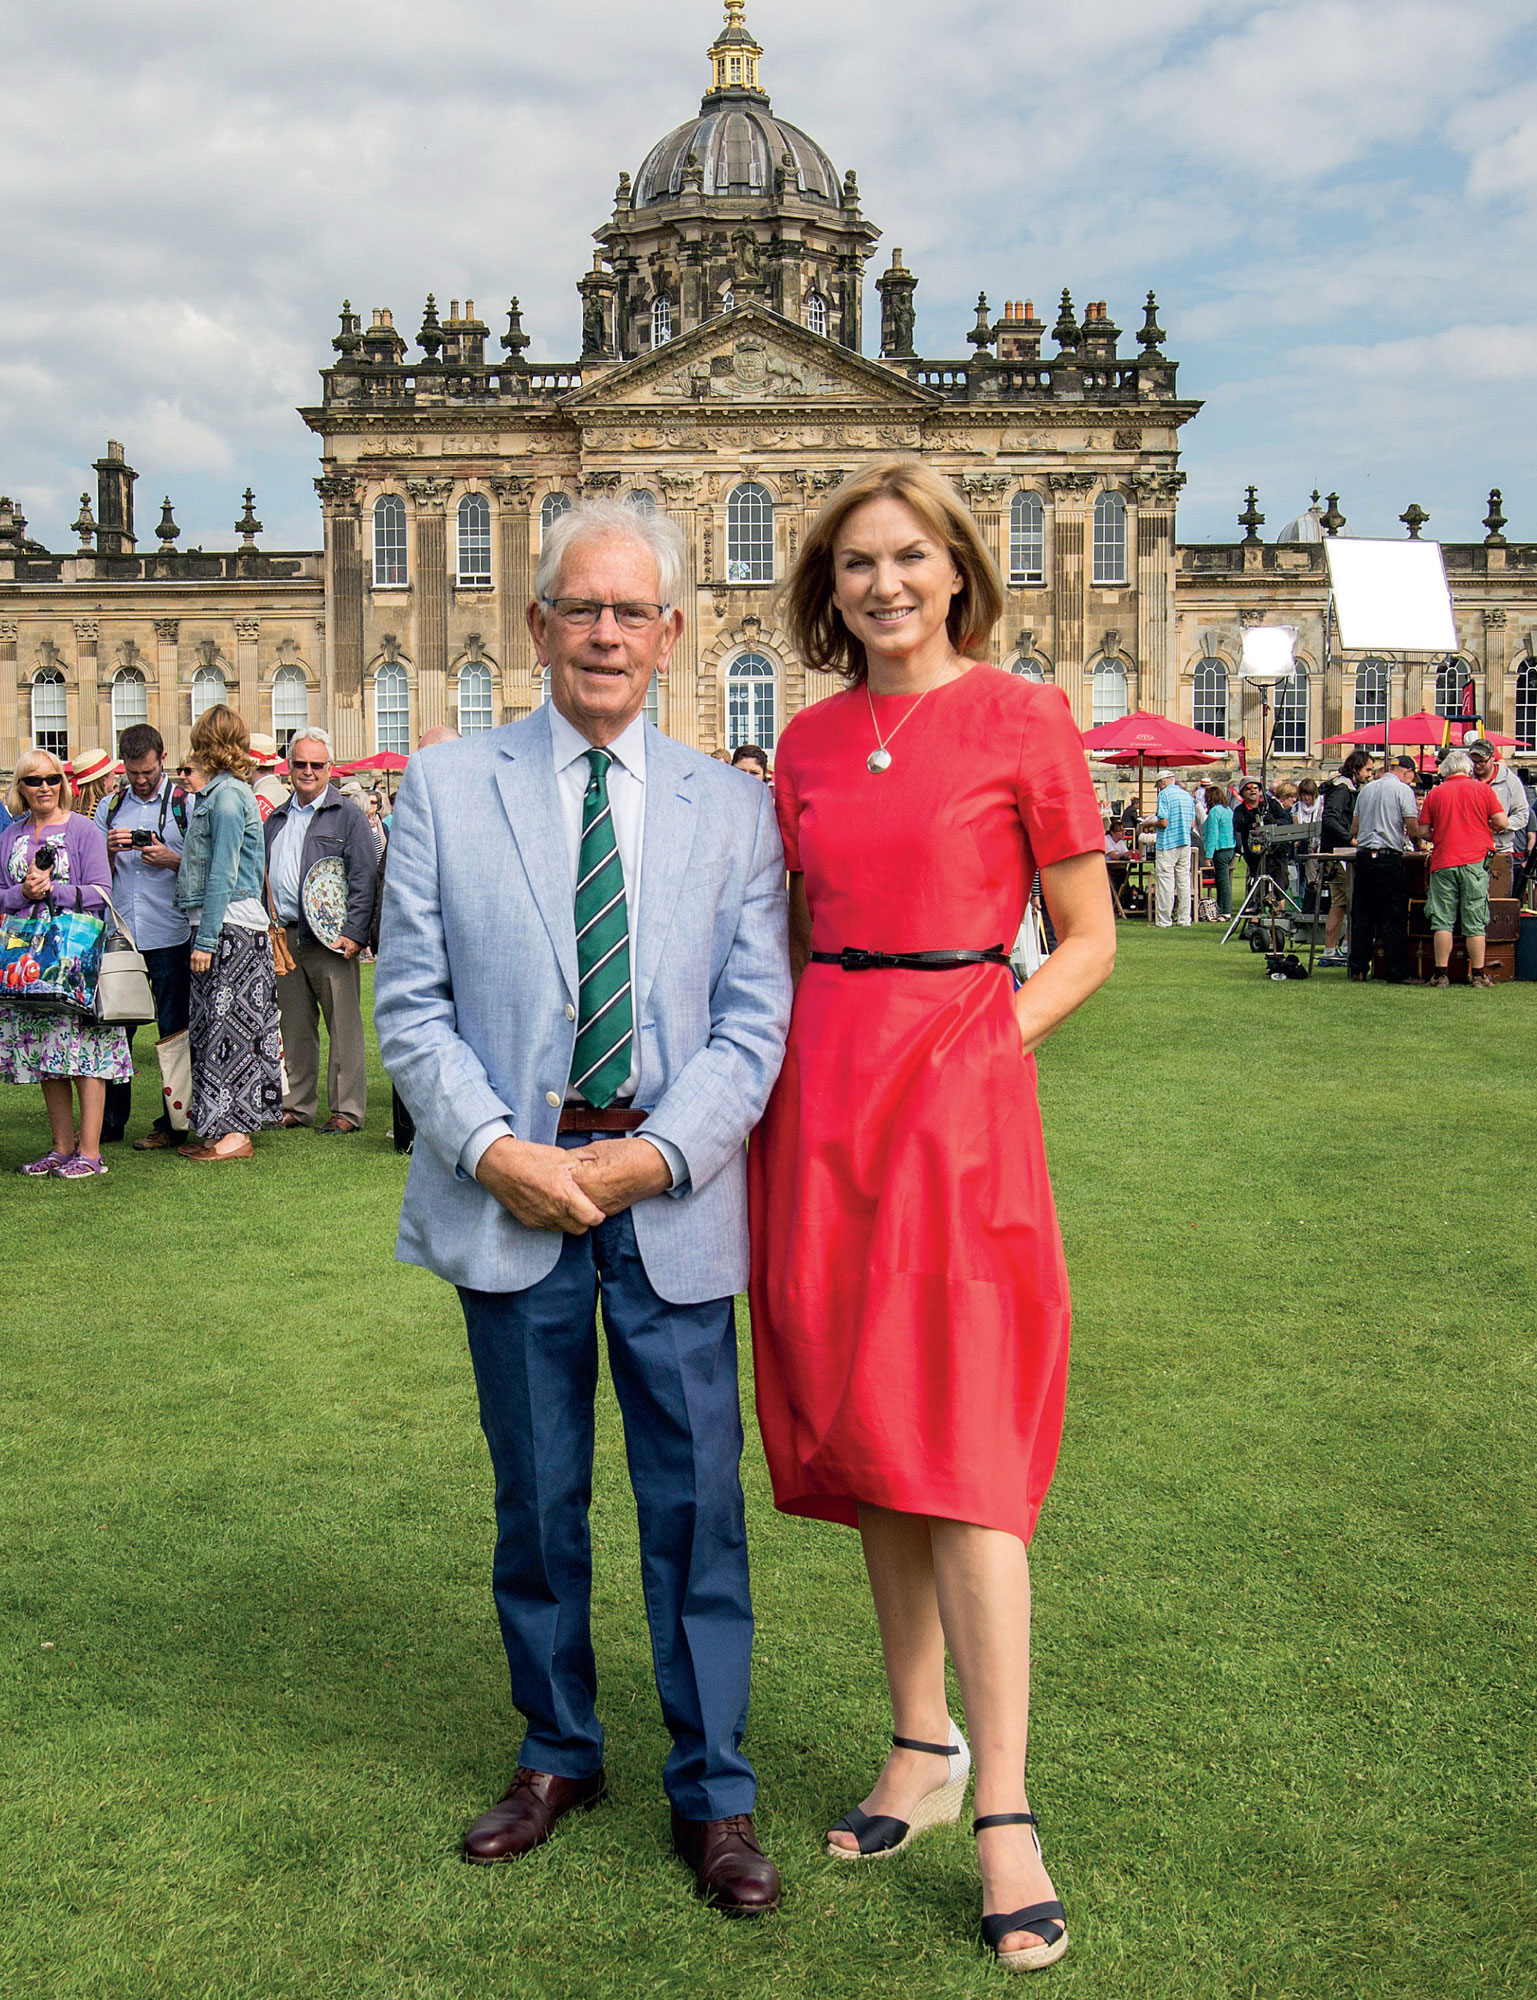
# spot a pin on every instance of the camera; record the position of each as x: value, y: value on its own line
x: 142, y: 836
x: 44, y: 856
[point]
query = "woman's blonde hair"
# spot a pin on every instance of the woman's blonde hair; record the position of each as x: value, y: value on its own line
x: 19, y: 802
x: 816, y: 627
x: 89, y: 796
x: 220, y: 741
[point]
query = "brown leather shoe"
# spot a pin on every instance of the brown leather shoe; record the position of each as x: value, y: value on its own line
x: 527, y: 1814
x: 155, y: 1140
x: 333, y: 1126
x: 204, y: 1154
x: 291, y: 1122
x: 732, y: 1872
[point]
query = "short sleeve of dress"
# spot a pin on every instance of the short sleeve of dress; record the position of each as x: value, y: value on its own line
x: 787, y: 807
x: 1056, y: 794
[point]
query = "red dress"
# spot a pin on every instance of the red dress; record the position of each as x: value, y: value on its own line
x: 909, y: 1296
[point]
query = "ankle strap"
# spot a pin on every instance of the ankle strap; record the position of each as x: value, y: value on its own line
x: 1003, y: 1819
x: 934, y: 1749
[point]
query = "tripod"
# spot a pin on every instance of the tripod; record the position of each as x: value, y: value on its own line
x: 1278, y: 893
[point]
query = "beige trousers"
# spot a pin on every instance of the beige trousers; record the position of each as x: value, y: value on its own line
x: 323, y: 983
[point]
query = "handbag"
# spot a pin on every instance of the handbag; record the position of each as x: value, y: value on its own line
x: 174, y: 1054
x: 282, y: 957
x: 123, y: 992
x: 50, y: 959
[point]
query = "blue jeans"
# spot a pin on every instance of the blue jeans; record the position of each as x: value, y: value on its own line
x: 170, y: 980
x: 674, y: 1367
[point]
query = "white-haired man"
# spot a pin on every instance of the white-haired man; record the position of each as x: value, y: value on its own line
x: 316, y: 828
x: 582, y: 995
x: 1461, y: 817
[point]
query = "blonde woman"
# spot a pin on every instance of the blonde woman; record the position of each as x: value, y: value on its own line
x: 235, y: 1044
x: 910, y: 1305
x: 95, y: 773
x: 47, y: 850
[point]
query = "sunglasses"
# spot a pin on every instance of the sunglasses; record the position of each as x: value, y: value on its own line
x: 184, y: 770
x: 300, y: 765
x: 47, y: 778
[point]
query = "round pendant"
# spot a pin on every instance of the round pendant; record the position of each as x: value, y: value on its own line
x: 878, y: 761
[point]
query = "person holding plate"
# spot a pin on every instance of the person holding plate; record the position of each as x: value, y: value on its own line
x: 322, y: 871
x: 909, y: 1296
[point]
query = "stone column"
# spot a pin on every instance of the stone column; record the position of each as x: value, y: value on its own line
x: 1070, y: 491
x: 13, y: 733
x: 430, y: 496
x: 680, y: 701
x: 514, y: 587
x: 95, y: 702
x: 983, y: 491
x: 248, y: 675
x: 1496, y: 666
x: 1157, y: 669
x: 344, y: 666
x: 164, y: 712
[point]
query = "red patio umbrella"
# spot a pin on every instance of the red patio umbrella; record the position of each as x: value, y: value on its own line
x: 381, y: 760
x: 1422, y: 729
x: 1144, y: 738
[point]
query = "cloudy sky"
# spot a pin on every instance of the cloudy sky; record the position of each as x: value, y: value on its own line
x: 1335, y: 200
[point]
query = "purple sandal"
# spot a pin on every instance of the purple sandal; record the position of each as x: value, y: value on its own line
x: 48, y: 1164
x: 80, y: 1168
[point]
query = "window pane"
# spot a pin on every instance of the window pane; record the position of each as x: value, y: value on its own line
x: 1211, y: 697
x: 475, y: 711
x: 389, y: 542
x: 474, y: 539
x: 1371, y: 694
x: 1109, y: 692
x: 661, y: 322
x: 1109, y: 539
x: 50, y: 713
x: 750, y: 704
x: 750, y: 537
x: 1526, y: 707
x: 1027, y: 539
x: 642, y: 501
x: 816, y: 313
x: 130, y: 700
x: 653, y: 708
x: 1029, y: 670
x: 1289, y: 735
x: 209, y: 689
x: 1451, y: 680
x: 290, y: 705
x: 553, y: 506
x: 392, y: 709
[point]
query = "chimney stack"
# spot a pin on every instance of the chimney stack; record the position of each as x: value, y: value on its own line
x: 114, y: 502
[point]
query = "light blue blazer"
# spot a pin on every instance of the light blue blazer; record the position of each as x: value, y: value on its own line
x: 477, y: 980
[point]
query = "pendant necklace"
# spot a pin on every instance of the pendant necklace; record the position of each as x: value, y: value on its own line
x: 879, y: 759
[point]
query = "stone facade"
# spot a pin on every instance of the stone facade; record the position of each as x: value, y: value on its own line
x: 722, y: 379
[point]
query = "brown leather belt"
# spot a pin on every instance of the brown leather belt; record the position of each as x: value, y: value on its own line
x: 582, y: 1118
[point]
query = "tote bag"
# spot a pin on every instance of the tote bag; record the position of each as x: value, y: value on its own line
x: 123, y: 992
x: 174, y: 1053
x: 50, y: 959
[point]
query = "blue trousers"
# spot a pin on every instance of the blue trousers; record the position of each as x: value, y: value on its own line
x: 674, y: 1367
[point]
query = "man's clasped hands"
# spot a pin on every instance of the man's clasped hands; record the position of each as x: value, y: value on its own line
x: 553, y: 1187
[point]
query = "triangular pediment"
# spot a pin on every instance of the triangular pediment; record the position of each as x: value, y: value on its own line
x: 748, y: 355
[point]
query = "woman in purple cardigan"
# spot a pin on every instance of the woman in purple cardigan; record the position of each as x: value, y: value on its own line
x: 59, y: 1049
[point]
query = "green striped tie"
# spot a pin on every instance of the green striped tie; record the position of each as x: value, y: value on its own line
x: 605, y: 1021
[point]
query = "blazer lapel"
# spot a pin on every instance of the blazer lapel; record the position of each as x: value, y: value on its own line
x: 525, y: 777
x: 666, y: 844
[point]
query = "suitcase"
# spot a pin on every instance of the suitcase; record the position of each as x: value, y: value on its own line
x: 1504, y: 920
x: 1526, y: 947
x: 1499, y: 961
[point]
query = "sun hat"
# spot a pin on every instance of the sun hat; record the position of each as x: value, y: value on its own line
x: 91, y: 765
x: 264, y: 751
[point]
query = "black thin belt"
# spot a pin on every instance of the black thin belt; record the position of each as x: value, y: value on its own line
x: 852, y: 959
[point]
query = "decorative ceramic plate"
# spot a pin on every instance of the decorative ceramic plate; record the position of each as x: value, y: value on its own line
x: 323, y: 900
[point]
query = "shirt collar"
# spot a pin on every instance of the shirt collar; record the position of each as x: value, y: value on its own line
x: 628, y: 748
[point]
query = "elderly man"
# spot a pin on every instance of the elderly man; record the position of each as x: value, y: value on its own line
x: 316, y: 827
x: 583, y: 994
x: 1174, y: 817
x: 1461, y: 817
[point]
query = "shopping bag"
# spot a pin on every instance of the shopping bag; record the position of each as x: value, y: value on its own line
x: 50, y: 959
x: 174, y: 1053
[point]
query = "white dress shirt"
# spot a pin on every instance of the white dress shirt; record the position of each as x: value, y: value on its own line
x: 285, y: 863
x: 627, y: 802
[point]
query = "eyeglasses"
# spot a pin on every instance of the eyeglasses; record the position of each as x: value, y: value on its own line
x: 298, y: 764
x: 582, y: 613
x: 43, y: 778
x: 184, y: 770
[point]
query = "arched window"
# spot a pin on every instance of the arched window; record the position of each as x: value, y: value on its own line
x: 750, y: 703
x: 1210, y: 710
x: 750, y: 537
x: 1109, y: 692
x: 389, y: 542
x: 50, y: 712
x: 1109, y: 539
x: 727, y: 299
x: 1027, y: 539
x: 392, y: 709
x: 474, y: 695
x: 130, y: 700
x: 661, y: 320
x: 1290, y: 715
x: 641, y: 500
x: 550, y: 511
x: 209, y: 689
x: 1371, y: 694
x: 1526, y: 705
x: 544, y: 685
x: 653, y: 708
x: 816, y: 313
x: 1451, y: 682
x: 1027, y: 668
x: 474, y: 540
x: 290, y: 705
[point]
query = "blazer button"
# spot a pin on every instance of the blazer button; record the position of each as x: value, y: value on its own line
x: 552, y: 1098
x: 570, y: 1013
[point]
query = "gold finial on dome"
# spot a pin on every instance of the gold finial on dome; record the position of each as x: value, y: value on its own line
x: 734, y: 55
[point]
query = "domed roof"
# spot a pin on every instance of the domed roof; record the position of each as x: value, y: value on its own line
x: 738, y: 143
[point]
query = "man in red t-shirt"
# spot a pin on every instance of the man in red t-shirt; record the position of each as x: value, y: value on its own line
x: 1461, y: 816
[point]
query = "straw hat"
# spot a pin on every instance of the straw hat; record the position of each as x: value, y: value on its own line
x: 91, y: 765
x: 264, y: 752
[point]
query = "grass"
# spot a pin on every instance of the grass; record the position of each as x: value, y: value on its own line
x: 250, y: 1683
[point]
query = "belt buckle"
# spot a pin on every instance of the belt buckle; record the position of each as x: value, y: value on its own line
x: 853, y: 959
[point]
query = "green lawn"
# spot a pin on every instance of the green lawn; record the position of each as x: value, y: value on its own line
x: 252, y: 1686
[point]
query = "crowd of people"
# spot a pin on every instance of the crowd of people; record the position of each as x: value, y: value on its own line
x: 1471, y: 807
